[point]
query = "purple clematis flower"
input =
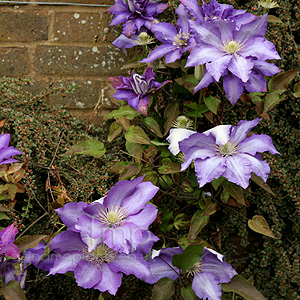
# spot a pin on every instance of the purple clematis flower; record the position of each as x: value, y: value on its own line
x: 161, y: 265
x: 121, y: 220
x: 174, y: 41
x: 7, y: 238
x: 225, y: 150
x: 135, y: 14
x: 208, y: 273
x: 216, y: 11
x: 243, y: 52
x: 5, y: 151
x: 94, y: 264
x: 137, y: 89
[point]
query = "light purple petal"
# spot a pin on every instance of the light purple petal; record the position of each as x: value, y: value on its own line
x: 182, y: 22
x: 176, y: 135
x: 209, y: 169
x: 194, y: 8
x: 257, y: 143
x: 8, y: 152
x: 164, y: 32
x: 261, y: 48
x: 240, y: 67
x: 4, y: 140
x: 110, y: 281
x: 265, y: 68
x: 238, y: 170
x: 87, y: 274
x: 206, y: 286
x: 146, y: 243
x: 143, y: 193
x: 256, y: 83
x: 92, y: 226
x: 7, y: 235
x: 124, y: 94
x: 173, y: 56
x: 65, y: 263
x: 123, y: 238
x: 206, y: 80
x: 10, y: 250
x: 70, y: 213
x: 124, y: 42
x: 233, y: 87
x: 221, y: 133
x: 133, y: 263
x: 144, y: 218
x: 217, y: 67
x: 239, y: 133
x: 158, y: 52
x: 90, y: 242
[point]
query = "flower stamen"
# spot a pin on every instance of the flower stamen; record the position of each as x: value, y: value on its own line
x: 113, y: 216
x: 232, y: 47
x: 181, y: 39
x: 228, y: 149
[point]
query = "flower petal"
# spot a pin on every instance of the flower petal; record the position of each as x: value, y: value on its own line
x: 110, y: 280
x: 221, y: 133
x: 239, y: 133
x: 240, y: 67
x: 158, y: 52
x: 217, y: 67
x: 91, y: 226
x: 65, y: 263
x: 233, y: 87
x: 177, y: 135
x: 87, y: 274
x: 256, y: 83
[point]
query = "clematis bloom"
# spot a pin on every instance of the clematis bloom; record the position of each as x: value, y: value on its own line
x: 120, y: 220
x: 94, y: 264
x: 7, y: 238
x: 225, y: 150
x: 137, y: 89
x: 7, y: 152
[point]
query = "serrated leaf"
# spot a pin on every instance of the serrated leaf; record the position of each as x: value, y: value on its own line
x: 281, y: 81
x: 260, y: 225
x: 136, y: 134
x: 234, y: 191
x: 171, y: 113
x: 212, y: 103
x: 241, y: 286
x: 153, y: 126
x: 13, y: 291
x: 114, y: 130
x: 188, y: 293
x: 124, y: 111
x: 29, y: 241
x: 88, y: 147
x: 258, y: 180
x: 187, y: 258
x: 163, y: 289
x: 197, y: 223
x: 168, y: 167
x: 273, y: 19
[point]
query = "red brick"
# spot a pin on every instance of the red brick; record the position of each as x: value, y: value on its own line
x: 83, y: 61
x: 23, y: 26
x: 76, y: 26
x: 14, y: 61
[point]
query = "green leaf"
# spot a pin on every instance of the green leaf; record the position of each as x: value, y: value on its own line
x: 12, y: 190
x: 197, y: 223
x: 217, y: 182
x: 153, y: 126
x: 3, y: 216
x: 100, y: 297
x: 258, y: 180
x: 281, y: 81
x: 171, y: 113
x: 241, y: 286
x: 114, y: 130
x: 130, y: 170
x: 13, y: 291
x: 4, y: 187
x: 212, y: 103
x: 210, y: 207
x: 163, y: 289
x: 168, y: 167
x: 118, y: 167
x: 188, y: 82
x: 181, y: 222
x: 234, y: 191
x: 260, y: 225
x: 271, y: 100
x: 88, y: 147
x: 135, y: 150
x: 123, y: 111
x: 136, y: 134
x: 29, y: 241
x: 273, y: 19
x: 187, y: 258
x: 188, y: 293
x: 297, y: 90
x: 166, y: 218
x: 157, y: 143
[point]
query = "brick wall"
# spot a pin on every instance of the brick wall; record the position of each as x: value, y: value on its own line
x: 55, y: 44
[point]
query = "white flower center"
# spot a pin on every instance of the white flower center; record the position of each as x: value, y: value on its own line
x: 232, y: 47
x: 113, y: 216
x: 195, y: 268
x: 102, y: 254
x: 140, y: 86
x: 227, y: 149
x: 181, y: 39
